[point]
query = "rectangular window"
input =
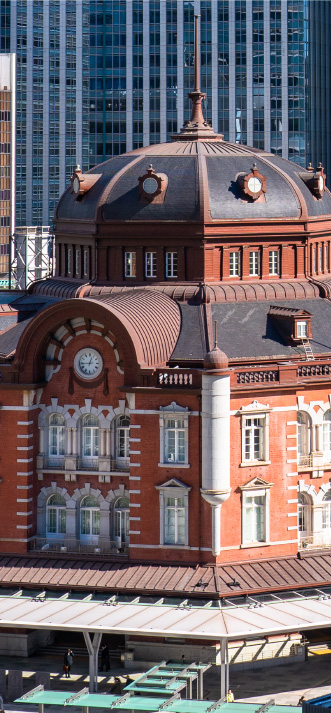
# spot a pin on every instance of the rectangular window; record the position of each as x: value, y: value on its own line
x: 69, y: 260
x: 273, y: 262
x: 174, y: 523
x: 77, y: 262
x: 175, y: 431
x: 254, y: 262
x: 253, y: 431
x: 150, y: 264
x: 302, y: 329
x: 171, y: 264
x: 85, y: 262
x: 235, y: 264
x: 254, y: 518
x: 130, y: 264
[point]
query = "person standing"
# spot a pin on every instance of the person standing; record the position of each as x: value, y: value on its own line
x: 68, y: 661
x: 105, y: 663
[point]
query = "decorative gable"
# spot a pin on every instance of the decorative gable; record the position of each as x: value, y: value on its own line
x: 173, y: 483
x: 256, y: 483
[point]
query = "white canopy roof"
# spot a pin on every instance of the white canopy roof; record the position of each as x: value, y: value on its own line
x: 70, y: 612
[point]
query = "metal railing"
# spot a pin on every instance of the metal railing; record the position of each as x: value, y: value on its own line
x: 73, y: 545
x: 122, y: 465
x: 305, y: 460
x: 317, y: 541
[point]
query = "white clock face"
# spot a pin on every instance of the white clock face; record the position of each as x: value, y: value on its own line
x: 88, y: 363
x: 321, y: 183
x: 76, y: 184
x: 150, y: 185
x: 254, y: 184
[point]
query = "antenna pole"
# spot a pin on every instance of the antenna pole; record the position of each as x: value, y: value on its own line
x: 196, y: 54
x: 215, y: 334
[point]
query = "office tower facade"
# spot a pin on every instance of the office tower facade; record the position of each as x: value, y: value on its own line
x: 100, y: 77
x: 7, y: 158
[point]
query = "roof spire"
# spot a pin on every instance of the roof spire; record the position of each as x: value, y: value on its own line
x: 197, y: 127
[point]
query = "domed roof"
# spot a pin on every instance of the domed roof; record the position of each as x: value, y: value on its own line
x: 202, y: 185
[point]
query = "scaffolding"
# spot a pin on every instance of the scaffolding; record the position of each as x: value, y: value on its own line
x: 31, y: 256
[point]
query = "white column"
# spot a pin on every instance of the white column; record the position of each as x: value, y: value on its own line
x: 163, y: 72
x: 129, y: 127
x: 42, y: 440
x: 69, y: 441
x: 224, y: 668
x: 266, y: 85
x: 215, y: 413
x: 102, y: 442
x: 232, y: 72
x: 108, y: 443
x: 146, y: 72
x: 74, y: 441
x: 93, y: 651
x: 284, y: 44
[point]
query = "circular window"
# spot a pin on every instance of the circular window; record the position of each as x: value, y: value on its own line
x: 254, y: 184
x: 321, y: 183
x: 150, y: 185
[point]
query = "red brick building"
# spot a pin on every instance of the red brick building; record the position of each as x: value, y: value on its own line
x: 128, y: 435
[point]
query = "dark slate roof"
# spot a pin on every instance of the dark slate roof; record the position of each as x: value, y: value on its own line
x: 9, y: 338
x: 27, y: 307
x: 114, y: 196
x: 245, y: 330
x: 315, y: 206
x: 108, y: 575
x: 225, y: 198
x: 181, y: 199
x: 191, y: 342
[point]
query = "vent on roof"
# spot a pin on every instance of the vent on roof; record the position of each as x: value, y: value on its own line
x: 293, y: 324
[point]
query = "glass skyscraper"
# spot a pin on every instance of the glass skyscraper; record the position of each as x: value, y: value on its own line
x: 97, y: 78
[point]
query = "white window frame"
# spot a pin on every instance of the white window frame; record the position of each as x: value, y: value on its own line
x: 57, y: 508
x: 94, y: 439
x: 256, y: 488
x: 121, y: 515
x: 130, y: 264
x: 150, y: 264
x: 69, y: 261
x: 274, y: 262
x: 77, y: 261
x: 304, y: 515
x: 89, y: 538
x: 126, y: 437
x: 304, y: 437
x: 173, y: 489
x: 235, y: 263
x: 302, y: 329
x: 259, y: 412
x: 85, y: 261
x: 254, y: 263
x: 60, y: 430
x: 327, y: 436
x: 171, y: 264
x: 169, y: 413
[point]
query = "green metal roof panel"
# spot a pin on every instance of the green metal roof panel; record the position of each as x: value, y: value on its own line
x: 49, y: 697
x: 94, y: 700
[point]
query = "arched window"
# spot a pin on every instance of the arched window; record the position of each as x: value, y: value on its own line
x: 56, y: 436
x: 121, y: 525
x: 303, y: 516
x: 122, y: 437
x: 89, y: 437
x: 89, y: 519
x: 304, y: 437
x: 327, y: 434
x: 55, y: 515
x: 326, y: 515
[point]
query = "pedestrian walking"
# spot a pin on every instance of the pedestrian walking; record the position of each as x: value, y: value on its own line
x: 229, y: 696
x: 105, y: 663
x: 67, y: 662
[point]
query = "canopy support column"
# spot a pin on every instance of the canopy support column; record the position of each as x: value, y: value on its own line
x: 93, y: 652
x: 224, y: 668
x: 200, y: 685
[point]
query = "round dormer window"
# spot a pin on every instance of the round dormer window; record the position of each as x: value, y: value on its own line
x: 150, y: 185
x: 254, y: 184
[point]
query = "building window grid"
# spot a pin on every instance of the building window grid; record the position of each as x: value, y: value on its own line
x: 175, y: 440
x: 235, y: 263
x: 254, y: 263
x: 56, y: 515
x: 150, y: 264
x: 302, y: 329
x: 254, y: 518
x: 171, y: 264
x: 130, y: 264
x: 174, y: 524
x: 274, y: 262
x: 253, y: 436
